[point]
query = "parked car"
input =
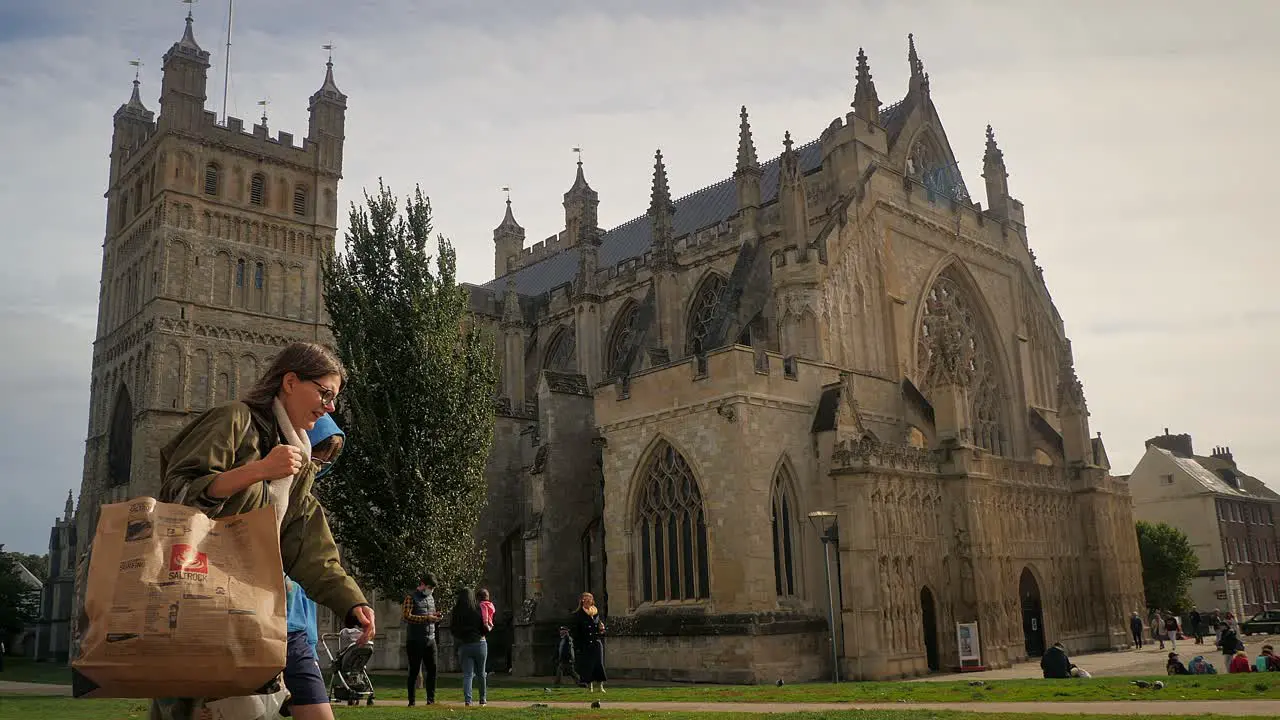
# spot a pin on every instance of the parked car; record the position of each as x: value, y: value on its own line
x: 1266, y: 622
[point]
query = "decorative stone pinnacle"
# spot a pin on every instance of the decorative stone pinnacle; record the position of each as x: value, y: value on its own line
x: 865, y: 100
x: 746, y: 146
x: 660, y: 199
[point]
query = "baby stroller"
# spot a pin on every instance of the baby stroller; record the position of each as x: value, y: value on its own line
x: 348, y: 678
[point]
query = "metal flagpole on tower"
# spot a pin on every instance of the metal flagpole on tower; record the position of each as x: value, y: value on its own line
x: 226, y: 65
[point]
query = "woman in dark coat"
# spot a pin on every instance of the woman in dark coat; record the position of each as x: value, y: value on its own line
x: 587, y: 628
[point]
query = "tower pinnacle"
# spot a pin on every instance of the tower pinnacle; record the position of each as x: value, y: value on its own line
x: 919, y: 78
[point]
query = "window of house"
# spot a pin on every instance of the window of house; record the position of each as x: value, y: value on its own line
x: 1221, y: 513
x: 1166, y: 479
x: 258, y: 189
x: 211, y: 179
x: 671, y: 531
x: 299, y: 200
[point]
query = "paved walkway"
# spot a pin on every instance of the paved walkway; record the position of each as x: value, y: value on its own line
x: 1266, y: 708
x: 1261, y: 708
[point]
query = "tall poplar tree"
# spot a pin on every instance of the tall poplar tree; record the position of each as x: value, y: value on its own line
x: 417, y: 406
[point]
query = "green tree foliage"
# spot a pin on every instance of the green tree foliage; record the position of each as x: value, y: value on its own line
x: 19, y: 602
x: 37, y: 564
x: 417, y: 406
x: 1168, y: 565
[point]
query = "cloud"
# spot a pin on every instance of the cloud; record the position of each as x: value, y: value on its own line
x: 1137, y: 134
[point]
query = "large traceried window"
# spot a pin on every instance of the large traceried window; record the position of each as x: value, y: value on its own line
x: 620, y: 337
x: 562, y: 353
x: 783, y: 522
x: 702, y: 310
x: 671, y: 531
x: 120, y: 440
x: 950, y: 317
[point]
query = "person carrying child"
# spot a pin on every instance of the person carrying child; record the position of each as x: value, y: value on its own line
x: 254, y: 453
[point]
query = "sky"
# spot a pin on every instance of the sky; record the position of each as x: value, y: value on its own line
x: 1127, y: 129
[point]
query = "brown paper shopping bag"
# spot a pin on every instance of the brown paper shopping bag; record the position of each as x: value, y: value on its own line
x: 181, y: 605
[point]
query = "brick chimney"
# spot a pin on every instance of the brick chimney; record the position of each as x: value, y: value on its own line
x: 1224, y: 453
x: 1176, y: 444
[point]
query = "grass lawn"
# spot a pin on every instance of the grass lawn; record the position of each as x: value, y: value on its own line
x: 23, y: 670
x: 40, y: 708
x: 1253, y: 686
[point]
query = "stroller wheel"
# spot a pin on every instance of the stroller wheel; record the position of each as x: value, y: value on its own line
x: 369, y: 702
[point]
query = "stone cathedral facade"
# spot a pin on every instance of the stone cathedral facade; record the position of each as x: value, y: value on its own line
x: 842, y: 328
x: 211, y: 263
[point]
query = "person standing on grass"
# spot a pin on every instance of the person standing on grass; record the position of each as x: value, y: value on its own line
x: 419, y: 612
x: 469, y: 631
x: 588, y: 631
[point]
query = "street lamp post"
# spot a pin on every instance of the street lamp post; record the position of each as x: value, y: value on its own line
x: 1226, y: 586
x: 825, y: 522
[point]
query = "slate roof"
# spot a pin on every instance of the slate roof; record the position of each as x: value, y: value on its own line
x: 695, y: 211
x: 1204, y: 471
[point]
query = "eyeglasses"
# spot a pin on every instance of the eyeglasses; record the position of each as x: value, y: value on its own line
x: 327, y: 396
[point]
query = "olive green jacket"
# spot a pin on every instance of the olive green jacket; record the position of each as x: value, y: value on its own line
x: 233, y: 435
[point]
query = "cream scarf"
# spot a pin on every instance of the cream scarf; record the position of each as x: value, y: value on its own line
x: 278, y: 490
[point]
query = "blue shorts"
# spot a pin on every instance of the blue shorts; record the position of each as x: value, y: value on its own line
x: 302, y: 676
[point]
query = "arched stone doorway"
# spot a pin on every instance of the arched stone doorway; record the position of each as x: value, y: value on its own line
x: 1032, y: 614
x: 929, y: 619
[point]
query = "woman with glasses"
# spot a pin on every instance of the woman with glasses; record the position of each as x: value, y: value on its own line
x: 254, y: 453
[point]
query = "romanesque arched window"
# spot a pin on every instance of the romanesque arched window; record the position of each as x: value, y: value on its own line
x: 211, y: 179
x: 120, y: 441
x: 783, y: 524
x: 951, y: 320
x: 258, y: 189
x: 620, y: 338
x: 562, y: 352
x: 702, y: 310
x: 300, y: 201
x: 670, y: 530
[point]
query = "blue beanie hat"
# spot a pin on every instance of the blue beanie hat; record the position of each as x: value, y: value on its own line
x: 324, y: 429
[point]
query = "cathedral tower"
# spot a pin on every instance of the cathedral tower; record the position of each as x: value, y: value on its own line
x: 211, y: 262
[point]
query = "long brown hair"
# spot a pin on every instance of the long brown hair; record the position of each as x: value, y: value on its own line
x: 306, y: 360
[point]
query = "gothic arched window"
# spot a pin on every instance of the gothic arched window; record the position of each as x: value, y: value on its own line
x: 620, y: 337
x: 562, y: 353
x: 120, y: 441
x: 783, y: 522
x: 701, y: 311
x: 671, y: 531
x: 951, y: 320
x: 932, y: 167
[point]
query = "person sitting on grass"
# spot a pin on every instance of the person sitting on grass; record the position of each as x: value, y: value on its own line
x: 1175, y: 666
x: 1200, y: 666
x: 1240, y: 663
x: 1267, y: 660
x: 1055, y: 664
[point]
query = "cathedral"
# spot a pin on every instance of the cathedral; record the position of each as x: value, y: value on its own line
x: 818, y: 417
x: 831, y: 364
